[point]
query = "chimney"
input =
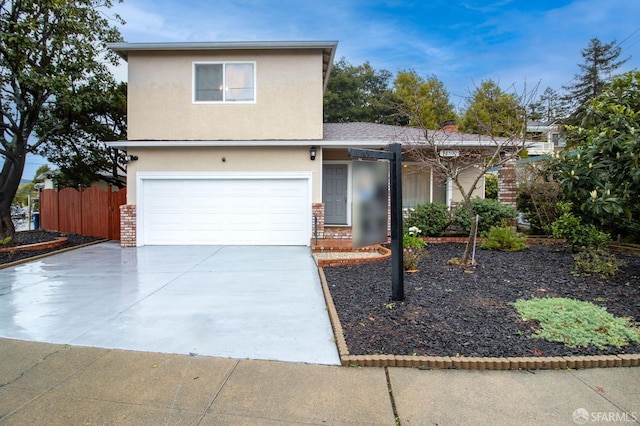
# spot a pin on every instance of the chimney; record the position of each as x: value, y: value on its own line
x: 449, y: 126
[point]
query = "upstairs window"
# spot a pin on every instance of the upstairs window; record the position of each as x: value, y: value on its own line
x: 224, y: 82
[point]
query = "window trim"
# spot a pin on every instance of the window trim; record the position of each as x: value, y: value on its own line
x: 224, y: 77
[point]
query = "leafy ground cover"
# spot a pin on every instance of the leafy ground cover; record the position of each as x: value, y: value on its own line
x: 449, y: 310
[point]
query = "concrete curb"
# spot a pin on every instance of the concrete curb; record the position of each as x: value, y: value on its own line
x: 41, y: 256
x: 465, y: 363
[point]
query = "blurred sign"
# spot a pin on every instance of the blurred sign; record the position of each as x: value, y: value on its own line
x: 370, y: 202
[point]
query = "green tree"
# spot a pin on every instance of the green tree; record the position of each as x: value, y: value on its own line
x: 463, y: 163
x: 491, y: 111
x: 549, y: 107
x: 601, y: 175
x: 358, y: 93
x: 46, y: 47
x: 429, y: 98
x: 74, y: 131
x: 600, y: 60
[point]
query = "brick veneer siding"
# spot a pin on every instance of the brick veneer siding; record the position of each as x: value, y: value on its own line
x: 127, y: 225
x: 507, y: 183
x: 338, y: 232
x: 317, y: 211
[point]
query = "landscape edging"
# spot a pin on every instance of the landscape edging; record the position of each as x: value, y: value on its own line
x: 41, y: 256
x: 465, y: 363
x: 37, y: 246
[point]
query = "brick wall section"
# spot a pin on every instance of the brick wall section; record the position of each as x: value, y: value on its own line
x: 317, y: 210
x: 127, y: 225
x: 338, y: 232
x: 507, y: 183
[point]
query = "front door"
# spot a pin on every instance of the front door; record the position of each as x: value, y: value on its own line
x: 334, y: 193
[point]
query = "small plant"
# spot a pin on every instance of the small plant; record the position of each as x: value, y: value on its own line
x: 504, y: 239
x: 5, y: 241
x: 596, y: 262
x: 575, y: 323
x: 413, y: 248
x: 577, y: 234
x: 431, y: 218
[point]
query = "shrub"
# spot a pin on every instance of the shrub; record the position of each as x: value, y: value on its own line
x: 431, y: 218
x: 538, y: 196
x: 577, y: 324
x: 596, y: 262
x: 413, y: 248
x: 577, y: 234
x: 491, y: 186
x: 504, y: 239
x: 491, y: 212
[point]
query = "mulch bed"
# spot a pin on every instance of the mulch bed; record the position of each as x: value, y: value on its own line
x: 32, y: 237
x: 453, y: 311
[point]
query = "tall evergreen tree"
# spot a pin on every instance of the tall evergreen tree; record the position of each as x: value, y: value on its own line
x: 600, y: 60
x: 427, y: 97
x: 492, y: 111
x: 358, y: 93
x: 549, y: 107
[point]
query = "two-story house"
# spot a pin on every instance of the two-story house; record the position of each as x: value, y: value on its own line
x: 226, y: 145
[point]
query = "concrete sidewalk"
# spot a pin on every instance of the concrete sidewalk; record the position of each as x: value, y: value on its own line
x: 49, y: 384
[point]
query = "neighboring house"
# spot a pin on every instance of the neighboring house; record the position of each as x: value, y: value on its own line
x: 49, y: 180
x: 547, y: 137
x: 227, y: 146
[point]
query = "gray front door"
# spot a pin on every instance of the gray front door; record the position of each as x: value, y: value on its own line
x: 334, y: 193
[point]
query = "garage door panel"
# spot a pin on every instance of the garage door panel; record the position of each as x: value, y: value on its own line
x: 226, y: 211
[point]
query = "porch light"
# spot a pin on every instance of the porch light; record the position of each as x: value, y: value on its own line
x: 130, y: 158
x: 312, y: 153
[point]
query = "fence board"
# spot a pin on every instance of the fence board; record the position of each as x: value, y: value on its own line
x: 116, y: 200
x: 69, y: 211
x: 92, y: 212
x: 95, y: 212
x: 49, y: 209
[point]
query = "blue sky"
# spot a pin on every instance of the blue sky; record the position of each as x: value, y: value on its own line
x: 512, y: 42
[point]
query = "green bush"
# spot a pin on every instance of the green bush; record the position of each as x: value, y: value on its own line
x: 413, y: 248
x: 577, y: 234
x: 577, y: 324
x: 491, y: 212
x: 491, y: 186
x: 431, y: 218
x: 596, y: 262
x: 504, y: 239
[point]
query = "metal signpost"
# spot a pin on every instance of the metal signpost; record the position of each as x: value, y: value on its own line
x: 394, y: 155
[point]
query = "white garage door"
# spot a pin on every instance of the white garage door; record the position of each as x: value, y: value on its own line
x: 225, y: 211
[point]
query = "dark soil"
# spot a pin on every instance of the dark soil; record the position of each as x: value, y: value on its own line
x: 32, y: 237
x: 450, y: 311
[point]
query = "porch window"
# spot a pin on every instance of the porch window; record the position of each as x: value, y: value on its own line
x: 224, y: 82
x: 418, y: 188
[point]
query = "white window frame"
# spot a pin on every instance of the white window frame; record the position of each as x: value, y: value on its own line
x: 224, y: 82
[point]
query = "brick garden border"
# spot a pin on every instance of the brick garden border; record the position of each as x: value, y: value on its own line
x: 461, y: 363
x: 37, y: 246
x: 41, y: 256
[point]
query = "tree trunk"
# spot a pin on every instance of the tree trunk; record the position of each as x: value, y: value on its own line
x: 474, y: 226
x: 11, y: 175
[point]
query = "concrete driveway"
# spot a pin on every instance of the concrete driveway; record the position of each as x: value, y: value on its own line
x: 226, y: 301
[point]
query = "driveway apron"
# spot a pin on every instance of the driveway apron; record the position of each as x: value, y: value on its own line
x: 253, y: 302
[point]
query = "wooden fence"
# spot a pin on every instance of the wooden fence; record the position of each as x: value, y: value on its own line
x: 91, y: 211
